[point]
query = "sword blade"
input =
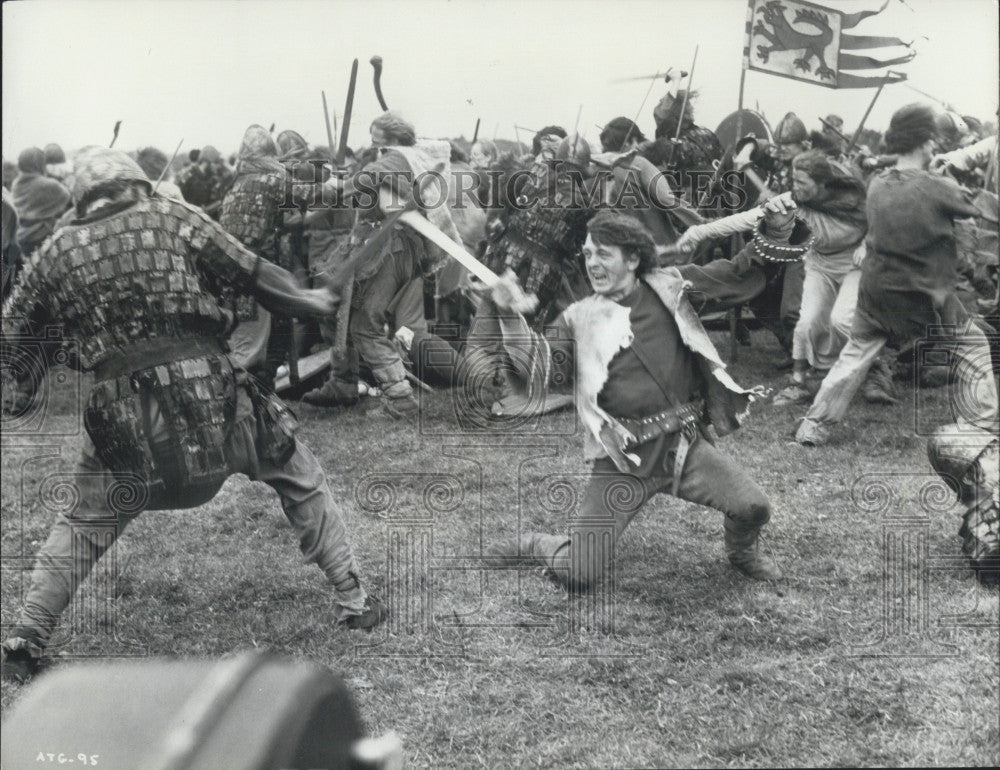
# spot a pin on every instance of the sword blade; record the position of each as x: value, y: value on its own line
x: 329, y: 132
x: 452, y: 249
x: 348, y: 108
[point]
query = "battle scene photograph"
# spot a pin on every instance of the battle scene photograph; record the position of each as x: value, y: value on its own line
x: 466, y: 384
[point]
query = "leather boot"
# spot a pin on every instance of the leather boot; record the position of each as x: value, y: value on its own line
x: 743, y: 550
x: 400, y: 406
x: 397, y: 394
x: 795, y: 393
x: 531, y: 549
x: 877, y: 387
x: 348, y: 614
x: 812, y: 433
x: 374, y: 613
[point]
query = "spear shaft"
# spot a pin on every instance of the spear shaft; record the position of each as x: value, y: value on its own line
x: 167, y: 167
x: 834, y: 129
x: 861, y: 125
x: 684, y: 103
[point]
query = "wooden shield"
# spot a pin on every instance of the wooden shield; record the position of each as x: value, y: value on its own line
x: 753, y: 123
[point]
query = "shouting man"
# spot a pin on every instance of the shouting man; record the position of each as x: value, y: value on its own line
x: 649, y: 383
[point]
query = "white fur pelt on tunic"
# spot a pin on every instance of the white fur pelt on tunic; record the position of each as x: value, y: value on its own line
x: 424, y: 157
x: 601, y: 327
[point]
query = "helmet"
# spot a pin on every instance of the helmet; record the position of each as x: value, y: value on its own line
x: 790, y: 130
x: 97, y: 165
x: 950, y: 129
x: 257, y: 143
x: 291, y: 144
x: 575, y: 151
x: 54, y: 154
x: 32, y: 161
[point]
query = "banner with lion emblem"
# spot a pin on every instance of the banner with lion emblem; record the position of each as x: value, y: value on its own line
x: 808, y: 42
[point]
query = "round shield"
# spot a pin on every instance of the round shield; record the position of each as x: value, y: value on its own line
x: 753, y: 123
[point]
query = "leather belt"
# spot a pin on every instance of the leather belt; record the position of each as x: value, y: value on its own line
x: 663, y: 423
x: 147, y: 355
x: 682, y: 419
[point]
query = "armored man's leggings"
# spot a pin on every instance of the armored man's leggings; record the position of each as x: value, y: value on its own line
x: 106, y: 506
x: 612, y: 499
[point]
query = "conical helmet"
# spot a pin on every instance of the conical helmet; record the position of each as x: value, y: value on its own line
x: 96, y: 165
x: 791, y: 129
x: 575, y: 151
x: 950, y: 129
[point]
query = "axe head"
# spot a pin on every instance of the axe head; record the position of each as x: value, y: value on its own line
x: 668, y: 77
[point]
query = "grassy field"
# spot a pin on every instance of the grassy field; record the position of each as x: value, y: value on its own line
x: 685, y: 664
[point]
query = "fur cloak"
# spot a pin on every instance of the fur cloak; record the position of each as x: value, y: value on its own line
x: 600, y: 328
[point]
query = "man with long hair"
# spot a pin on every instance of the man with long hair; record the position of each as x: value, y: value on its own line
x: 831, y: 200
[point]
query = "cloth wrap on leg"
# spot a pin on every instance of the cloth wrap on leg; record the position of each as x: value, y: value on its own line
x: 969, y: 462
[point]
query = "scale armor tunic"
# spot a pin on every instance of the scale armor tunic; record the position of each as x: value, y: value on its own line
x: 144, y: 294
x: 543, y: 236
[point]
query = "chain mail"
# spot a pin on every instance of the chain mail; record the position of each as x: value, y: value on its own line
x: 542, y: 240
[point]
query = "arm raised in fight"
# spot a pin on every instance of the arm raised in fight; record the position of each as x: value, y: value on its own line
x: 543, y: 360
x: 275, y: 288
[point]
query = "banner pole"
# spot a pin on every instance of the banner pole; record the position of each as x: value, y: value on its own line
x: 744, y: 64
x: 861, y: 125
x: 739, y: 106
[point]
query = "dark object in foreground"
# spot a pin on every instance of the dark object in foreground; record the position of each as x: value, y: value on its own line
x: 248, y: 711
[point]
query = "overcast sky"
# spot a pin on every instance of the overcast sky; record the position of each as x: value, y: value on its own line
x: 203, y: 71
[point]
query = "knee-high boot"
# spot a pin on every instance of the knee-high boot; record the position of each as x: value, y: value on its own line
x: 743, y: 549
